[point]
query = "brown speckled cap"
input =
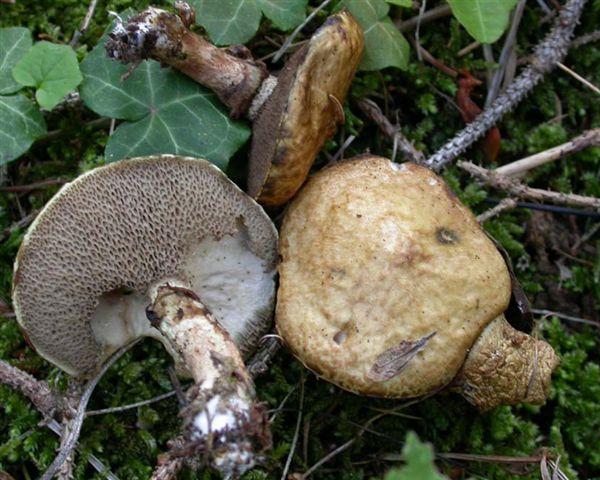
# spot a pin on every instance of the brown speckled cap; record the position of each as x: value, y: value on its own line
x: 386, y: 279
x: 303, y: 110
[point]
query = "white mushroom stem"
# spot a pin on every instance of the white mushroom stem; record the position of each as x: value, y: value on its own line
x: 506, y: 367
x: 223, y: 421
x: 160, y: 35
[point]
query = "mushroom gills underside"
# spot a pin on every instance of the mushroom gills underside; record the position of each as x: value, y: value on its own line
x: 235, y: 285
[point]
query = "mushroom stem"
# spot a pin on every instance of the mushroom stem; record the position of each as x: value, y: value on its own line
x: 157, y: 34
x: 223, y: 421
x: 506, y: 367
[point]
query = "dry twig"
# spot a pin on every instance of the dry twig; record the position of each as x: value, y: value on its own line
x: 85, y: 24
x: 587, y: 139
x: 546, y: 55
x: 578, y: 77
x: 504, y: 205
x: 288, y: 462
x: 428, y: 16
x: 516, y: 188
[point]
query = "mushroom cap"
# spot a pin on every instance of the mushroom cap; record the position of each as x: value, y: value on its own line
x: 303, y: 110
x: 386, y: 279
x: 87, y: 264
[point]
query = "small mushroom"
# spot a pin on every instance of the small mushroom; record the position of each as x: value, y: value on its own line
x: 294, y: 113
x: 165, y: 247
x: 389, y: 287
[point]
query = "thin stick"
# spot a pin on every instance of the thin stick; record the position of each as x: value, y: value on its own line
x: 26, y: 220
x: 428, y: 16
x: 488, y: 56
x: 290, y: 39
x: 123, y: 408
x: 37, y: 391
x: 85, y: 24
x: 34, y: 186
x: 503, y: 206
x: 468, y: 49
x: 507, y: 48
x: 571, y: 318
x: 374, y: 113
x: 575, y: 75
x: 417, y: 30
x: 281, y: 405
x: 77, y: 422
x: 516, y: 188
x: 587, y: 139
x: 290, y: 456
x: 585, y: 39
x: 547, y: 54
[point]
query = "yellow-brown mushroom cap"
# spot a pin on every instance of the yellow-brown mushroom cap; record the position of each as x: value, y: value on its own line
x: 386, y: 279
x: 85, y: 268
x: 303, y: 110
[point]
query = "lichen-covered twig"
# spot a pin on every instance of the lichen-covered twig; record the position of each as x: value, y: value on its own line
x: 374, y: 113
x: 587, y: 139
x: 546, y: 55
x: 503, y: 206
x: 37, y: 391
x: 586, y: 38
x: 518, y: 189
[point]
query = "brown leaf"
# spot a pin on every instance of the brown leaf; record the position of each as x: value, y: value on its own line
x: 391, y: 362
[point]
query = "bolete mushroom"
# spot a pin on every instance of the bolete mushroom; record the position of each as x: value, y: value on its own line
x: 293, y: 114
x: 389, y: 287
x: 166, y: 247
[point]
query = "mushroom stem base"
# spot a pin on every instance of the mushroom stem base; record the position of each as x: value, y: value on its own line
x: 223, y: 422
x: 506, y: 367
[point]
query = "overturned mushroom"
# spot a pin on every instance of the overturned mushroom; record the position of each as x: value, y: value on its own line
x: 389, y: 287
x: 165, y: 247
x: 294, y: 113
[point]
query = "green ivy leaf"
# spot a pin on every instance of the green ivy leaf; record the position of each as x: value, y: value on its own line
x: 401, y: 3
x: 165, y: 112
x: 485, y: 20
x: 384, y: 44
x: 236, y: 21
x: 14, y: 43
x: 419, y: 462
x: 21, y: 123
x: 52, y: 69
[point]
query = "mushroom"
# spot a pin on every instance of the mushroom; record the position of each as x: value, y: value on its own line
x: 293, y: 114
x: 389, y: 287
x: 165, y: 247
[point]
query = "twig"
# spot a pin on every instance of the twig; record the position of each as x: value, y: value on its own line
x: 282, y: 403
x: 542, y: 207
x: 470, y: 457
x: 586, y: 38
x: 340, y: 153
x: 290, y: 39
x: 549, y: 313
x: 587, y: 139
x: 407, y: 149
x: 418, y: 28
x: 468, y: 49
x: 73, y: 435
x: 26, y: 220
x: 504, y: 205
x: 288, y: 462
x: 507, y: 48
x: 272, y: 54
x: 37, y: 391
x: 34, y: 186
x: 488, y: 56
x: 585, y: 237
x: 428, y: 57
x: 428, y: 16
x: 546, y: 55
x: 575, y: 75
x: 123, y: 408
x: 516, y: 188
x: 85, y: 24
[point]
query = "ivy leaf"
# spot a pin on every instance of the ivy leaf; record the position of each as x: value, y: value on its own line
x: 384, y: 44
x: 418, y: 458
x: 52, y: 69
x: 236, y: 21
x: 165, y: 112
x: 20, y: 124
x: 485, y: 20
x: 14, y: 43
x: 401, y: 3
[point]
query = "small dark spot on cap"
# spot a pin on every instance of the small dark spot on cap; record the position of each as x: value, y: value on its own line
x: 153, y: 317
x: 445, y: 236
x: 179, y: 313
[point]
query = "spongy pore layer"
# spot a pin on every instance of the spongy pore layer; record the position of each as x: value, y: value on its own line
x: 110, y: 235
x: 386, y: 279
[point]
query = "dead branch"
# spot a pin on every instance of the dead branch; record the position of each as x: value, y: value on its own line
x: 579, y: 78
x: 374, y: 113
x: 38, y: 392
x: 503, y: 206
x: 587, y: 139
x: 428, y: 16
x: 546, y: 55
x: 85, y: 24
x: 518, y: 189
x: 34, y: 186
x: 586, y: 38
